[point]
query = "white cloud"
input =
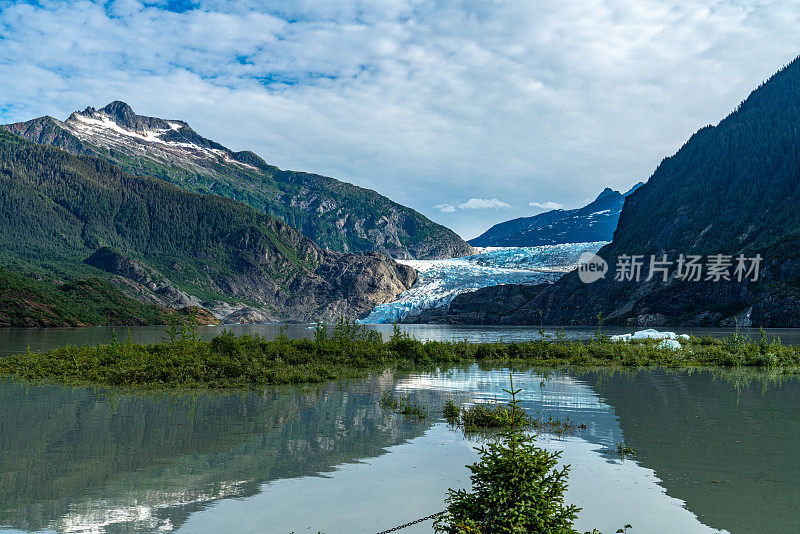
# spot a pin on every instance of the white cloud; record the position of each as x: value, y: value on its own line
x: 483, y: 204
x: 445, y: 208
x: 547, y: 206
x: 417, y: 100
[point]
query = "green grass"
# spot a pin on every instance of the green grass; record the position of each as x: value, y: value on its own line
x: 490, y: 415
x: 349, y: 351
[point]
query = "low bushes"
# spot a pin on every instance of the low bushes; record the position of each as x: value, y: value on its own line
x: 349, y: 350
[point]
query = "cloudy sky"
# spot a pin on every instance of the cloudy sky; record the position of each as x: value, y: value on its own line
x: 470, y: 111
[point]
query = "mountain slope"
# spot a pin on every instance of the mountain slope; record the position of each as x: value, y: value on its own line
x: 594, y: 222
x: 334, y: 214
x: 77, y: 217
x: 29, y: 302
x: 731, y: 189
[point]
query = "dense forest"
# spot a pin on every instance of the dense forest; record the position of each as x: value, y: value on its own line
x: 732, y: 187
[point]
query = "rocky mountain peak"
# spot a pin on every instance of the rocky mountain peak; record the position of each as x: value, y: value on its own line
x: 632, y: 189
x: 605, y: 192
x: 122, y: 114
x: 116, y: 124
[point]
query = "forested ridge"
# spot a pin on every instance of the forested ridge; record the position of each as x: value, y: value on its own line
x: 731, y: 187
x: 57, y: 210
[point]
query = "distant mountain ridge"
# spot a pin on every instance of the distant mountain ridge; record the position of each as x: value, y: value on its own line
x: 334, y: 214
x: 594, y: 222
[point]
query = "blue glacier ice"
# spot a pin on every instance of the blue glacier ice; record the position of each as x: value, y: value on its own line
x: 441, y: 280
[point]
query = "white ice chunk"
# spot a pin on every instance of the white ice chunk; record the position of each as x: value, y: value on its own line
x: 673, y: 344
x: 670, y: 340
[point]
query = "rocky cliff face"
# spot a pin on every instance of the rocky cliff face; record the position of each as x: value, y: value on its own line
x: 342, y: 286
x: 732, y: 189
x: 334, y: 214
x: 173, y: 248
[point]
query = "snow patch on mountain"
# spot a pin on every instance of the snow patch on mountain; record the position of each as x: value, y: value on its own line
x: 106, y: 123
x: 440, y: 281
x: 102, y: 124
x: 152, y: 136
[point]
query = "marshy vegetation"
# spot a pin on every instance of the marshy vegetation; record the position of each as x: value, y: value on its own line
x: 485, y: 416
x: 405, y: 405
x: 349, y: 350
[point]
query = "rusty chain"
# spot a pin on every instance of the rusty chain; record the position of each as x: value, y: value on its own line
x: 420, y: 520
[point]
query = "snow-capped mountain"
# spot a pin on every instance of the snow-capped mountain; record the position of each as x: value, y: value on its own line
x: 336, y: 215
x: 593, y: 222
x: 115, y: 130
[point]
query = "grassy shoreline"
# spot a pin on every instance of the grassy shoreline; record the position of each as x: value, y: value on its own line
x: 351, y: 351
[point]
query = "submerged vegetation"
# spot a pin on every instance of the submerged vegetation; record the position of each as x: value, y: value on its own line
x: 348, y: 350
x: 487, y: 416
x: 406, y: 405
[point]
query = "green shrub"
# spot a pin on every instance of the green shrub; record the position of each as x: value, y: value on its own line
x: 451, y: 411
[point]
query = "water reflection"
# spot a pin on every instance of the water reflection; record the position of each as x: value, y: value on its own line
x: 723, y: 442
x: 715, y: 451
x: 80, y: 460
x: 726, y: 443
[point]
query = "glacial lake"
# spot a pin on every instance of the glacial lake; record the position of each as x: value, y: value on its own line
x: 716, y: 451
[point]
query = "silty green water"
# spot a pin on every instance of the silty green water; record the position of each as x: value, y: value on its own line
x: 714, y: 452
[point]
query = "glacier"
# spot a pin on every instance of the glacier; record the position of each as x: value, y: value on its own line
x: 440, y: 281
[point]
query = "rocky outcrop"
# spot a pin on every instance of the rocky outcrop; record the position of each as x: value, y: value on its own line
x: 342, y: 286
x: 145, y: 283
x: 345, y: 286
x: 351, y: 286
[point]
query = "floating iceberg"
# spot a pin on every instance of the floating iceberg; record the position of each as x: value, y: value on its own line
x: 670, y: 340
x: 440, y: 281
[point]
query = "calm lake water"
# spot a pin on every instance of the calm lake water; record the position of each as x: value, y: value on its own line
x: 715, y: 451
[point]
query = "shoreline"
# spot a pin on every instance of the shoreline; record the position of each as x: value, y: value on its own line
x: 349, y: 350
